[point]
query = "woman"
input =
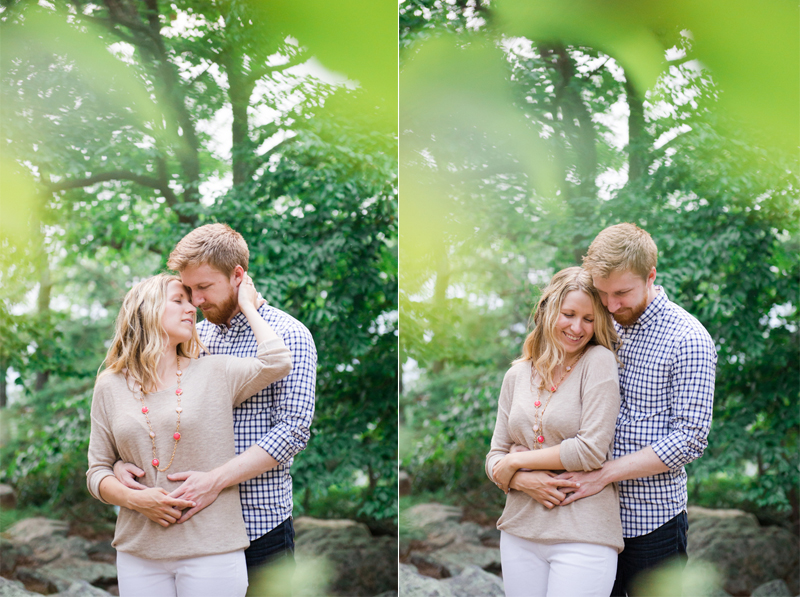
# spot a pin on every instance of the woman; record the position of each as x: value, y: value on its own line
x: 156, y: 405
x: 560, y: 401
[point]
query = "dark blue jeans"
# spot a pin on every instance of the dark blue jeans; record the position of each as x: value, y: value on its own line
x: 276, y: 547
x: 666, y: 543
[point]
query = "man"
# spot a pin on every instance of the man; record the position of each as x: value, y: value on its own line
x: 666, y: 389
x: 272, y: 426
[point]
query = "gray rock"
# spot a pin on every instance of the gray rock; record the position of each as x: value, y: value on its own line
x: 431, y: 516
x: 360, y: 564
x: 490, y: 537
x: 35, y: 528
x: 13, y: 588
x: 474, y: 582
x: 775, y: 588
x: 67, y: 571
x: 11, y: 554
x: 35, y: 580
x: 451, y: 545
x: 453, y: 560
x: 696, y: 513
x: 745, y: 554
x: 413, y: 584
x: 82, y: 589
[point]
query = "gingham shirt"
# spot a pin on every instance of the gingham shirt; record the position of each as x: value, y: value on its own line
x: 667, y: 392
x: 278, y: 418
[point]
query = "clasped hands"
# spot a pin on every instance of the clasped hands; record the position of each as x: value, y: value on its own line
x: 547, y: 488
x: 197, y: 491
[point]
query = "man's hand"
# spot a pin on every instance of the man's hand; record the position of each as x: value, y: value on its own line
x: 543, y: 486
x: 591, y: 482
x: 159, y: 507
x: 126, y: 473
x: 201, y: 488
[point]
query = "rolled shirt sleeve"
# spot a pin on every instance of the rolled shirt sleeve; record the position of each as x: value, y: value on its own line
x: 693, y: 374
x: 295, y: 403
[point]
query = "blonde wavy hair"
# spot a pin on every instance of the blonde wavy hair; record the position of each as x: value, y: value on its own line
x: 542, y: 346
x: 139, y: 338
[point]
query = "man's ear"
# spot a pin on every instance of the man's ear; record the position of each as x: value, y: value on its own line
x: 237, y: 275
x: 651, y: 277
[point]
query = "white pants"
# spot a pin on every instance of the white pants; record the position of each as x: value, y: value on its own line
x: 533, y: 569
x: 207, y: 576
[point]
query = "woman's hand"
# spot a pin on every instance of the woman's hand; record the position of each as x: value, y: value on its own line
x: 504, y: 470
x: 543, y: 486
x: 248, y: 295
x: 158, y: 506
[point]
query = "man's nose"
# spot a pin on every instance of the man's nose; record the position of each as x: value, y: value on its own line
x: 613, y: 306
x: 197, y: 300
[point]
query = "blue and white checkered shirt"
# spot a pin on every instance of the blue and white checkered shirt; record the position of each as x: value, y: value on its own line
x: 278, y: 418
x: 667, y: 391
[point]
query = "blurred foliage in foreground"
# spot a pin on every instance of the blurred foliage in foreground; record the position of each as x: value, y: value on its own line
x: 528, y: 127
x: 125, y: 125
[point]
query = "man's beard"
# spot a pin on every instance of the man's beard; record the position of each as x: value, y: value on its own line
x: 219, y: 314
x: 632, y: 315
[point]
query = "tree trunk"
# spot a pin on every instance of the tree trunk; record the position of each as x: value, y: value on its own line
x: 638, y: 142
x: 3, y: 382
x: 43, y: 310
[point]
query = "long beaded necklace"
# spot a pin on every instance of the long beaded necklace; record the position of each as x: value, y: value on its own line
x: 538, y: 416
x: 177, y: 435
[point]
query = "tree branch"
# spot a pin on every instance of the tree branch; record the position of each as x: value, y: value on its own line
x: 145, y: 181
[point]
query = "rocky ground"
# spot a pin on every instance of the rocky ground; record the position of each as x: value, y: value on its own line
x: 730, y: 554
x: 41, y: 556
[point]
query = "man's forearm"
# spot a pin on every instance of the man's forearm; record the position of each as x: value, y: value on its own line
x: 644, y: 463
x: 251, y: 463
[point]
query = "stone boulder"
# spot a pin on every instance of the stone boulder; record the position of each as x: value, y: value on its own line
x: 472, y: 581
x: 775, y: 588
x: 13, y: 588
x: 359, y: 563
x: 38, y: 553
x: 745, y: 554
x: 450, y: 545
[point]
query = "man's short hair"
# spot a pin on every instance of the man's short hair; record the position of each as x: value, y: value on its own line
x: 217, y: 245
x: 623, y: 247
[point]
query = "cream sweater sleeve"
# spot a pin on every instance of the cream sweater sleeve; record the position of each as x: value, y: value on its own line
x: 501, y: 439
x: 599, y: 409
x: 248, y: 376
x: 102, y: 450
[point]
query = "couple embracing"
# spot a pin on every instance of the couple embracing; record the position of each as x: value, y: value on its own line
x: 611, y: 397
x: 207, y: 417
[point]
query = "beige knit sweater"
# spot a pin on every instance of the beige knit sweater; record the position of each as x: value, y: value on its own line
x: 580, y: 417
x: 211, y: 387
